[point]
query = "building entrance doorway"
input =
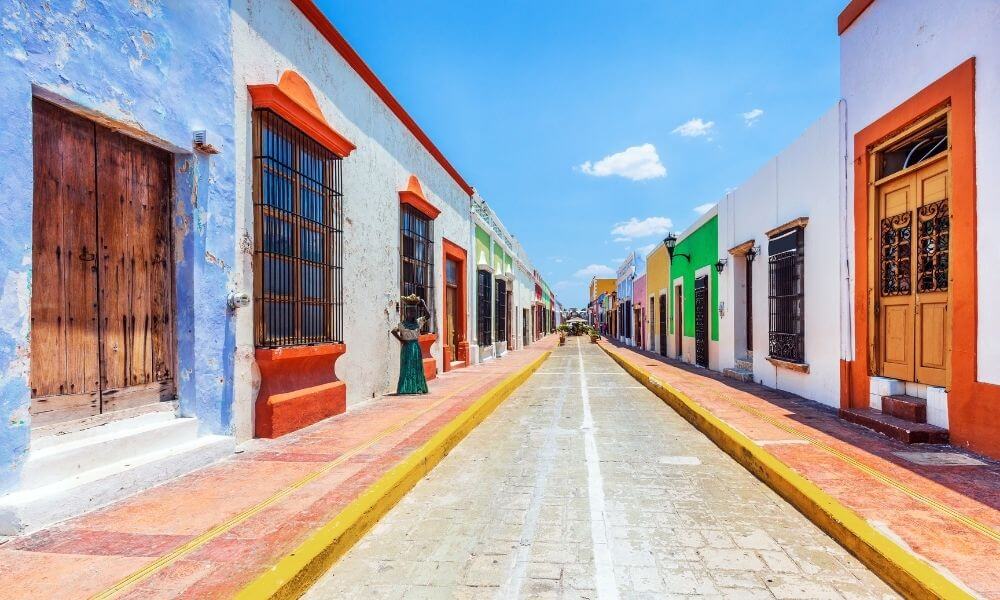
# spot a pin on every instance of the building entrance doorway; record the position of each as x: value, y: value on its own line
x: 679, y: 321
x: 102, y: 328
x: 701, y: 320
x: 663, y: 324
x: 911, y: 253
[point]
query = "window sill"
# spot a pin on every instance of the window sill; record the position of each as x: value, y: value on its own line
x: 294, y: 352
x: 787, y: 364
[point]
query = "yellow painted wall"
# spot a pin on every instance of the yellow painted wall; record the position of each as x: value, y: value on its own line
x: 657, y: 279
x: 601, y: 286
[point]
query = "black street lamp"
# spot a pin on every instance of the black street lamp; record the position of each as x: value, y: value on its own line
x: 671, y: 242
x: 719, y: 266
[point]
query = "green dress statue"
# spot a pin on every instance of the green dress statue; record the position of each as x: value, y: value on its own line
x: 411, y: 361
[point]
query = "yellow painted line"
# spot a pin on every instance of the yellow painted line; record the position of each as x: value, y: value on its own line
x: 902, y: 570
x: 296, y: 572
x: 942, y: 508
x: 206, y: 537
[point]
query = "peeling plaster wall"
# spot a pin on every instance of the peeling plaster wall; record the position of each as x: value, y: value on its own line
x: 270, y: 37
x: 112, y: 59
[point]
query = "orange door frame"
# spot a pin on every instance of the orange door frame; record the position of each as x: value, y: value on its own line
x: 454, y: 252
x: 971, y: 403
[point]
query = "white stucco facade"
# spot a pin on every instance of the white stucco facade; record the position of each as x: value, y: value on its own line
x: 807, y: 179
x: 897, y: 48
x: 268, y: 39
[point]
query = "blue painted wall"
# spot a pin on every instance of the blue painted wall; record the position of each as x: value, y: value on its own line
x: 162, y: 66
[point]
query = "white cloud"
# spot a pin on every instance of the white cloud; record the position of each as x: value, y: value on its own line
x: 634, y: 228
x: 704, y: 208
x: 635, y: 163
x: 695, y: 128
x: 594, y: 271
x: 644, y: 250
x: 752, y: 116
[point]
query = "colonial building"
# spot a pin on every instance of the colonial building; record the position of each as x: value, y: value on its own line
x: 921, y: 84
x: 119, y: 252
x: 694, y: 296
x: 222, y: 208
x: 658, y: 293
x: 782, y: 283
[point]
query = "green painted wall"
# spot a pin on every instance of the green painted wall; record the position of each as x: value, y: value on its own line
x: 482, y: 247
x: 508, y: 265
x: 497, y: 259
x: 703, y: 247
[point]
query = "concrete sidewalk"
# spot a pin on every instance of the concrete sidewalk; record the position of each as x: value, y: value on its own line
x: 940, y: 503
x: 208, y: 534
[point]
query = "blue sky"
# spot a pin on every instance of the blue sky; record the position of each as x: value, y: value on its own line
x: 526, y: 99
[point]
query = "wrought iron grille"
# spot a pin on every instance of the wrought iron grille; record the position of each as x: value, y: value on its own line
x: 298, y: 236
x: 786, y: 297
x: 701, y: 321
x: 484, y: 296
x: 416, y: 260
x: 896, y: 236
x: 501, y: 310
x: 932, y: 243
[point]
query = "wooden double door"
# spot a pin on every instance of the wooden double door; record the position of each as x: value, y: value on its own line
x: 911, y: 257
x: 101, y: 303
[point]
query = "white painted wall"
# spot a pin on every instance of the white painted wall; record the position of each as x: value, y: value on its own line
x: 269, y: 38
x: 898, y: 47
x: 804, y: 180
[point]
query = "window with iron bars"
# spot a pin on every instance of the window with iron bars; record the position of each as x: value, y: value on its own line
x: 501, y: 310
x: 298, y: 231
x: 416, y: 260
x: 786, y: 296
x: 484, y: 297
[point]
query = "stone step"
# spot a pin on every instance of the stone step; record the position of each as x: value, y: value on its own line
x: 27, y: 510
x: 94, y: 448
x: 907, y: 432
x: 908, y: 408
x: 738, y: 374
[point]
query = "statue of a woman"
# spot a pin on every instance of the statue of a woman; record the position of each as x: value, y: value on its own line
x: 411, y: 362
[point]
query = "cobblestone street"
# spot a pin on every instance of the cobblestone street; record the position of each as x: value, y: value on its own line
x: 583, y: 484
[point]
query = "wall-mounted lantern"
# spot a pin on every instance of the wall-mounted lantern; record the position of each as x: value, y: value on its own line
x: 752, y: 253
x: 671, y: 242
x: 721, y: 265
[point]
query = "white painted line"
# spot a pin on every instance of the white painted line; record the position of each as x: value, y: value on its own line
x: 604, y: 575
x: 517, y: 575
x: 679, y: 460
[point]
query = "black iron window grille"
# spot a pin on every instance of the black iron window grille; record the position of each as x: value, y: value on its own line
x: 298, y: 236
x: 501, y: 310
x: 786, y: 296
x: 484, y: 307
x: 416, y: 260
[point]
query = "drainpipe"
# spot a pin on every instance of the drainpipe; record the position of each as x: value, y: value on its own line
x: 846, y: 314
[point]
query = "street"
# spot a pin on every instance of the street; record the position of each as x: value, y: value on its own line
x: 583, y: 484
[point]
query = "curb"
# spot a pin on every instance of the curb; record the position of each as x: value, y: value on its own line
x: 902, y: 570
x: 297, y: 571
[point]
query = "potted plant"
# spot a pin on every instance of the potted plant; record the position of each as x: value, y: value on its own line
x: 562, y: 329
x: 594, y: 336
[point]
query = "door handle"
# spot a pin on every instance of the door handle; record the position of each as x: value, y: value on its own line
x: 87, y: 256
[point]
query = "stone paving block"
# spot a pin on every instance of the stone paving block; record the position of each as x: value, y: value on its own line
x: 657, y: 531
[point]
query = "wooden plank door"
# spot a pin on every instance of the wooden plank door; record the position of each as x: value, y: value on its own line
x: 932, y: 231
x: 895, y: 310
x: 135, y: 284
x: 64, y: 335
x: 912, y: 310
x: 101, y: 310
